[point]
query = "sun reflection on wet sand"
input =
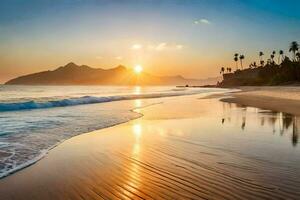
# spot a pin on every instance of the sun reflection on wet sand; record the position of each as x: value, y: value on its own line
x: 134, y: 177
x: 191, y: 152
x: 137, y: 130
x: 137, y: 103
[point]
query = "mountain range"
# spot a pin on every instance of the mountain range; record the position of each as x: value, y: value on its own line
x: 72, y: 74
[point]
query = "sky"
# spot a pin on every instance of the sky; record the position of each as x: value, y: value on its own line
x: 193, y: 38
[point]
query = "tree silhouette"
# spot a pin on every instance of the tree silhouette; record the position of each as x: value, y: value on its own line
x: 261, y: 55
x: 254, y: 64
x: 298, y: 56
x: 242, y: 57
x: 222, y: 70
x: 272, y: 57
x: 236, y: 60
x: 294, y: 46
x: 280, y: 57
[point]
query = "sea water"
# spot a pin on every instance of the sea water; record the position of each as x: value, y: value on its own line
x: 33, y: 119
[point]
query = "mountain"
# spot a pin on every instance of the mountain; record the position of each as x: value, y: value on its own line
x: 72, y: 74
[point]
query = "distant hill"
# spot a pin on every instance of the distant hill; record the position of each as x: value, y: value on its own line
x: 72, y: 74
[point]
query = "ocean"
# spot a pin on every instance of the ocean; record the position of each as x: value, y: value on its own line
x: 34, y: 119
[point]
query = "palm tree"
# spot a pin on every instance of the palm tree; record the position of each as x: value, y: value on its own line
x: 242, y: 57
x: 254, y: 64
x: 222, y: 70
x: 236, y: 59
x: 261, y: 55
x: 294, y: 46
x: 280, y: 57
x: 272, y: 57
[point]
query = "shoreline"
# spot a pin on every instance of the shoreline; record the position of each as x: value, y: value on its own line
x: 130, y: 160
x: 277, y: 98
x: 44, y: 152
x: 47, y: 151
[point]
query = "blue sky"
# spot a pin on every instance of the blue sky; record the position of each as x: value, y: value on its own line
x: 191, y: 38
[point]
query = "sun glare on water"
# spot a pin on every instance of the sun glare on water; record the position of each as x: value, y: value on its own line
x: 138, y: 69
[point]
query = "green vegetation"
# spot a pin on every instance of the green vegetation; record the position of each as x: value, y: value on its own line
x: 284, y: 71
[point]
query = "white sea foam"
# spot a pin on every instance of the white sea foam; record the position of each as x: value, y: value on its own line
x: 15, y: 106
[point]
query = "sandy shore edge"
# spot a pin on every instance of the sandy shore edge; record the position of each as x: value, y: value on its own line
x: 136, y: 160
x: 281, y: 99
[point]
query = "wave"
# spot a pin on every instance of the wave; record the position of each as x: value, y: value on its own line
x: 28, y: 105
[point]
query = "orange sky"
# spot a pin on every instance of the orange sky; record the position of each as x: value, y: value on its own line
x: 191, y: 38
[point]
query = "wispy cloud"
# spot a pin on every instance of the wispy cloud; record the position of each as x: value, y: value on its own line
x: 179, y: 46
x: 136, y: 46
x: 164, y: 46
x: 119, y: 57
x: 202, y: 21
x: 161, y: 46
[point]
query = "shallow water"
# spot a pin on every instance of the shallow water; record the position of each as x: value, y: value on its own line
x: 33, y: 119
x: 182, y: 148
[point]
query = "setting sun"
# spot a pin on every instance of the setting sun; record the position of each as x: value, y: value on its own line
x: 138, y: 69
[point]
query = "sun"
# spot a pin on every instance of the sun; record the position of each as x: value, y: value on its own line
x: 138, y: 69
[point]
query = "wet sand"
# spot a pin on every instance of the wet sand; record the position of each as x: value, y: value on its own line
x: 279, y: 98
x: 182, y: 148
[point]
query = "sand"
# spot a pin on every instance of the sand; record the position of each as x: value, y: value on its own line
x: 178, y: 150
x: 279, y: 98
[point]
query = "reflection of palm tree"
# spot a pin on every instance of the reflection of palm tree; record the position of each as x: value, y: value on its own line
x: 294, y: 46
x: 243, y: 123
x: 295, y: 132
x: 273, y: 120
x: 262, y: 122
x: 242, y: 57
x: 287, y: 120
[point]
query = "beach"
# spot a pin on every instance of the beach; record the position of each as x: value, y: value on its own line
x: 277, y: 98
x: 184, y: 147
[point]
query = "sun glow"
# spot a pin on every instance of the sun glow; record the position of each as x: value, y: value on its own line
x: 138, y: 69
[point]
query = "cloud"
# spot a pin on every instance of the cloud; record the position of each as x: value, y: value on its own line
x: 179, y: 46
x: 164, y: 46
x: 161, y: 46
x: 136, y: 46
x: 119, y: 57
x: 99, y: 57
x: 202, y: 21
